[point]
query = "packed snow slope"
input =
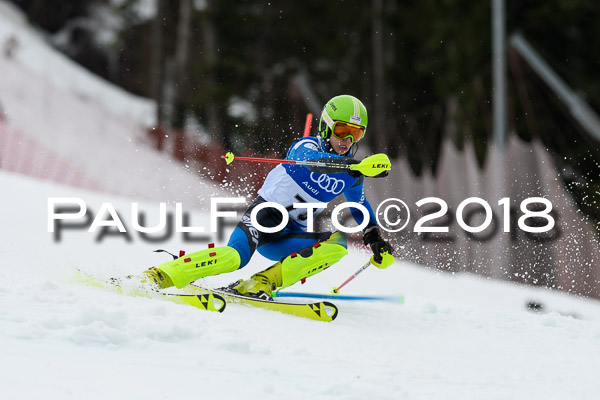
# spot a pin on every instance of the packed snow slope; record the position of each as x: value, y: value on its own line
x: 455, y: 336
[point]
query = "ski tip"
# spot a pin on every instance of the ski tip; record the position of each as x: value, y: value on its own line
x: 331, y: 311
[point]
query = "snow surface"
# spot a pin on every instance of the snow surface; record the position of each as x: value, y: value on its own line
x: 455, y: 337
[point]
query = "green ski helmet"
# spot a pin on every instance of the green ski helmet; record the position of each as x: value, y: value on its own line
x: 343, y: 108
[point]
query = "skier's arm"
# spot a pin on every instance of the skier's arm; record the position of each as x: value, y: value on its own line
x: 341, y: 164
x: 307, y: 150
x: 371, y: 234
x: 356, y: 194
x: 344, y: 164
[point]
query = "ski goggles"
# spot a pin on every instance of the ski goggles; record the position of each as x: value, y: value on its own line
x: 344, y: 130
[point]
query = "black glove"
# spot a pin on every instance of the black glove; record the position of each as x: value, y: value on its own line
x: 372, y: 238
x: 353, y: 173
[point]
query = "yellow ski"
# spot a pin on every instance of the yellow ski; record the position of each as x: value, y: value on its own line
x: 204, y: 301
x: 320, y: 311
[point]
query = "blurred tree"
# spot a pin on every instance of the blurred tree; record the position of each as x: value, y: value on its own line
x: 181, y: 65
x: 53, y: 15
x: 160, y: 30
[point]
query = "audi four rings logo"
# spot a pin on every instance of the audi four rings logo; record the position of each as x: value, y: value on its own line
x: 328, y: 183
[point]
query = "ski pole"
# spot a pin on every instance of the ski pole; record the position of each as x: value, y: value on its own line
x: 336, y: 290
x: 370, y: 166
x: 229, y: 157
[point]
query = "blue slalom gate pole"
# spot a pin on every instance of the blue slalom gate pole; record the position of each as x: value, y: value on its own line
x: 392, y: 299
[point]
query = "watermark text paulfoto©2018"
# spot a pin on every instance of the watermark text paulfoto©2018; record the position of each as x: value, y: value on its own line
x: 534, y: 215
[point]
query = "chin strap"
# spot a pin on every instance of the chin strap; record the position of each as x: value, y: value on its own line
x: 353, y: 150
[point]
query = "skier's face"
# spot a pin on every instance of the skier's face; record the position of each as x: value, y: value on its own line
x: 340, y: 146
x: 344, y: 135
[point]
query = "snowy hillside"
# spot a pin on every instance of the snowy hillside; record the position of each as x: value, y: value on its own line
x: 61, y: 123
x: 456, y: 337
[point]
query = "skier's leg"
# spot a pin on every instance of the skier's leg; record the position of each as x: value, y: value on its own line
x: 292, y: 241
x: 295, y: 267
x: 214, y: 261
x: 183, y: 270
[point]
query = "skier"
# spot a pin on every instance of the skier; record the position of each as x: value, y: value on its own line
x: 298, y: 254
